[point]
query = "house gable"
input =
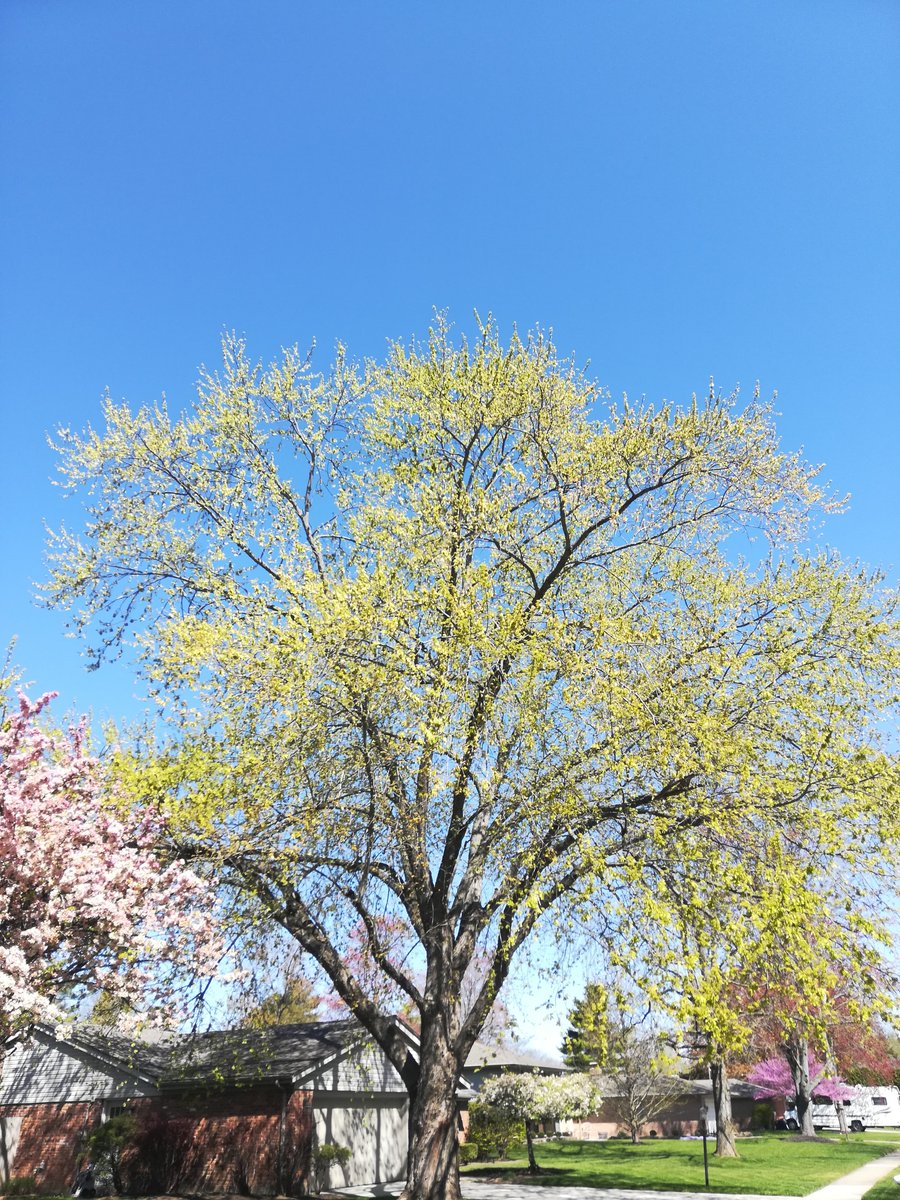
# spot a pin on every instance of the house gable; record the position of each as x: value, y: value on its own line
x: 362, y: 1068
x: 41, y: 1069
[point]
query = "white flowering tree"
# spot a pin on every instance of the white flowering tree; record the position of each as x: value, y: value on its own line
x: 534, y: 1098
x: 85, y: 899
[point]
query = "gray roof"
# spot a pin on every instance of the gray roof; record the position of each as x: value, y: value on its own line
x: 283, y: 1052
x: 677, y: 1086
x: 483, y: 1057
x: 244, y: 1056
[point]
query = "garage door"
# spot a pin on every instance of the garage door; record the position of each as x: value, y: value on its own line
x: 376, y: 1133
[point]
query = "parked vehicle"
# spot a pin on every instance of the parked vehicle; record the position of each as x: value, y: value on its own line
x: 868, y: 1108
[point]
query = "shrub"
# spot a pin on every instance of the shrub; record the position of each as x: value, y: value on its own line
x: 762, y: 1116
x: 327, y: 1155
x: 107, y: 1146
x: 468, y: 1152
x: 493, y: 1130
x: 19, y: 1185
x: 163, y: 1159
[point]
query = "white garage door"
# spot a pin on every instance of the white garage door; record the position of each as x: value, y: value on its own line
x: 376, y: 1132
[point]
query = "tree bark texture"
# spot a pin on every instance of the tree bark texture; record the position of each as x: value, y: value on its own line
x: 721, y: 1090
x: 433, y: 1160
x: 533, y: 1168
x: 797, y: 1053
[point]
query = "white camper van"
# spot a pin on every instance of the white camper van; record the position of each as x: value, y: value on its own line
x: 868, y: 1108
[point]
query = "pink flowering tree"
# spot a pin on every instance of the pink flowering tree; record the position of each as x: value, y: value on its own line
x: 798, y: 1075
x: 86, y: 899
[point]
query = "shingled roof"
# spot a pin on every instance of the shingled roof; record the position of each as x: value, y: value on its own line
x: 242, y: 1056
x: 283, y: 1052
x: 482, y: 1057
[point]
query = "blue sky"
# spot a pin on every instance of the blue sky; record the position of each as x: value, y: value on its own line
x: 679, y: 189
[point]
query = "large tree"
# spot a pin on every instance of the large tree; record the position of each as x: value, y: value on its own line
x: 449, y: 640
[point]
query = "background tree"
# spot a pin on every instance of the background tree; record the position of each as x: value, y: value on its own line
x: 534, y: 1098
x: 761, y: 938
x: 586, y: 1043
x: 777, y: 1078
x: 865, y: 1052
x: 640, y: 1075
x: 272, y: 984
x: 295, y: 1004
x: 453, y: 641
x: 87, y: 901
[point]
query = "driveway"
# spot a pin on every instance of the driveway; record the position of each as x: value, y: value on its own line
x: 476, y: 1189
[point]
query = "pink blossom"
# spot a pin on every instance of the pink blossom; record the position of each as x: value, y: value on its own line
x: 85, y: 900
x: 772, y: 1078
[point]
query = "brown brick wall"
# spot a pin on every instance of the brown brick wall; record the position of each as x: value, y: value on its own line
x: 223, y: 1141
x: 50, y: 1141
x: 229, y: 1141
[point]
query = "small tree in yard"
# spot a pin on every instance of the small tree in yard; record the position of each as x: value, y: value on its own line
x: 492, y: 1130
x: 533, y: 1098
x: 453, y: 641
x: 638, y: 1079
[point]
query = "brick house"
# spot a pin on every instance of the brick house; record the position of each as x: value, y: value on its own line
x: 219, y: 1112
x: 689, y: 1103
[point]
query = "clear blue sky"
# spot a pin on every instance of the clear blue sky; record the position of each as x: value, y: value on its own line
x: 681, y: 189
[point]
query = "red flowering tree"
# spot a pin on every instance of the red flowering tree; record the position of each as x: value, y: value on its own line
x: 86, y: 901
x: 800, y: 1075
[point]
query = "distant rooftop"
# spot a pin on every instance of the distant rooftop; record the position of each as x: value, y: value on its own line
x: 482, y: 1056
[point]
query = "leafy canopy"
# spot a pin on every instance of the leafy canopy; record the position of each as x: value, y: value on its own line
x: 451, y: 639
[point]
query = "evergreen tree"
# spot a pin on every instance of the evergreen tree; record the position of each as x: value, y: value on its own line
x: 586, y: 1043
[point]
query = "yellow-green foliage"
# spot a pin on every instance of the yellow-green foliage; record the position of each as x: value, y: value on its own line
x: 451, y: 639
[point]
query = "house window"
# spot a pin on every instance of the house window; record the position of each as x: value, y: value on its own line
x: 112, y: 1108
x: 847, y: 1103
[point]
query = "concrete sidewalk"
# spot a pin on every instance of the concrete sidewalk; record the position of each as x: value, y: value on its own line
x: 858, y: 1182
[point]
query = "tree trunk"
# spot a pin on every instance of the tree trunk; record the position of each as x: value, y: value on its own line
x: 842, y: 1118
x: 797, y: 1053
x: 432, y: 1168
x: 533, y: 1168
x: 831, y: 1068
x: 721, y: 1090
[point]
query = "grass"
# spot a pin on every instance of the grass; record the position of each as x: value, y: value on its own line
x: 886, y: 1190
x: 871, y: 1135
x: 768, y: 1165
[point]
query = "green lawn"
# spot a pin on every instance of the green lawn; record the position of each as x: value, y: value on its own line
x: 886, y: 1190
x: 768, y: 1165
x: 871, y: 1135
